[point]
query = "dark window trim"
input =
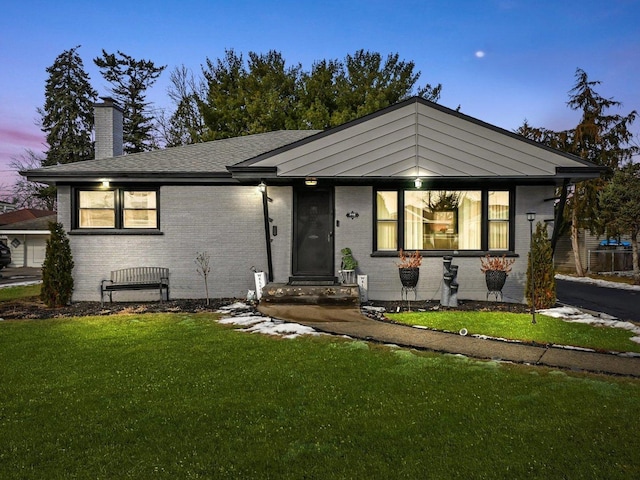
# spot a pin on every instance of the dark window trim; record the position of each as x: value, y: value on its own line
x: 119, y: 211
x: 484, y: 241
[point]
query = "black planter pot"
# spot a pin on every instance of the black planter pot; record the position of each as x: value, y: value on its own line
x: 495, y: 280
x: 409, y: 276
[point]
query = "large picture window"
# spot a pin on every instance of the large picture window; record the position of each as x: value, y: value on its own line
x: 443, y: 220
x: 118, y: 208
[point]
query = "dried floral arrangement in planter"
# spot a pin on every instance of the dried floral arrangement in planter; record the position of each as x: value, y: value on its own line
x: 409, y: 261
x: 502, y: 264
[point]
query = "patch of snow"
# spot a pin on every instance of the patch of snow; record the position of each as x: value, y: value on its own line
x: 369, y: 308
x: 234, y: 307
x: 21, y: 284
x: 285, y: 330
x: 600, y: 283
x: 243, y: 321
x: 256, y: 323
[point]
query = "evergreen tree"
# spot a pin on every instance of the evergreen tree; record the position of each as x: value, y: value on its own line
x: 620, y: 204
x: 130, y: 80
x: 266, y: 95
x: 67, y: 116
x: 223, y: 107
x: 599, y: 137
x: 57, y: 279
x: 602, y: 139
x: 543, y: 273
x: 270, y: 91
x: 366, y: 85
x: 318, y: 95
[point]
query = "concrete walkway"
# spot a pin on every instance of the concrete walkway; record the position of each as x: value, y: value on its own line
x: 349, y: 321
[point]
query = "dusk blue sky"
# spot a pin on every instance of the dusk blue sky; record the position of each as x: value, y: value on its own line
x: 502, y: 61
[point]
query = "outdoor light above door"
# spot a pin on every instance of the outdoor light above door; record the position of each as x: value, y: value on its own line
x: 417, y: 182
x: 311, y: 181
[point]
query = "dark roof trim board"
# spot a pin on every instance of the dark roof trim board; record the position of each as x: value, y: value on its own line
x: 207, y: 160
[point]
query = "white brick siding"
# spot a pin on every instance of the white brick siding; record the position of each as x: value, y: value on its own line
x: 227, y: 222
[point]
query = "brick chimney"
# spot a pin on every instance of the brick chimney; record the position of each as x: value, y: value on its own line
x: 108, y: 117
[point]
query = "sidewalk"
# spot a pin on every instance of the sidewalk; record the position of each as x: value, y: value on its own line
x: 349, y: 321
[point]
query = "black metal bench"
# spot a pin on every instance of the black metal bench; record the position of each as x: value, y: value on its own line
x: 136, y: 278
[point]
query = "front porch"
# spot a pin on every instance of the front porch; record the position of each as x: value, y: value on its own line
x: 311, y: 294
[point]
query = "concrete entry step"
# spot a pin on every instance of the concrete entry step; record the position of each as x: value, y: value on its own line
x: 311, y: 294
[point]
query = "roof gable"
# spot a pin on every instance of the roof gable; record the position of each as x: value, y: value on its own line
x: 417, y: 138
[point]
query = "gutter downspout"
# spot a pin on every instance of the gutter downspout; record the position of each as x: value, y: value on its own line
x: 267, y: 233
x: 557, y: 224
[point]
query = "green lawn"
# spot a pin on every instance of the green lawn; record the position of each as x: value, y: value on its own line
x: 180, y: 396
x: 15, y: 293
x: 516, y: 326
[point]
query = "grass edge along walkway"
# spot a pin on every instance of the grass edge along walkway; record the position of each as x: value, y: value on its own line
x: 358, y: 326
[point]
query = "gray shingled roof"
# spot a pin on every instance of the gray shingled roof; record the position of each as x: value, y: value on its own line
x: 201, y: 158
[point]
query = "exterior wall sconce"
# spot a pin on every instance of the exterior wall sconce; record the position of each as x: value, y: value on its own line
x: 351, y: 215
x: 262, y: 187
x: 105, y: 183
x: 311, y: 181
x: 417, y: 183
x: 531, y: 217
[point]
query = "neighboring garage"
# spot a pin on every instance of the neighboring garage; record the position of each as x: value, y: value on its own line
x: 27, y: 240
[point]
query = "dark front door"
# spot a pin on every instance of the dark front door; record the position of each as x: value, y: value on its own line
x: 313, y: 233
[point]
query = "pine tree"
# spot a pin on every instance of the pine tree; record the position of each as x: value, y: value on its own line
x: 543, y: 273
x: 57, y: 279
x: 67, y: 116
x: 265, y: 95
x: 600, y: 137
x: 130, y: 80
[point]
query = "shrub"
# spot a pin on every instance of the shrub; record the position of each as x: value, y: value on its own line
x: 543, y: 273
x: 348, y: 262
x: 57, y: 278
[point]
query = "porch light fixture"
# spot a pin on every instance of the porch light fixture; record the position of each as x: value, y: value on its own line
x: 311, y: 181
x: 531, y: 216
x: 262, y: 187
x: 417, y: 183
x: 105, y: 183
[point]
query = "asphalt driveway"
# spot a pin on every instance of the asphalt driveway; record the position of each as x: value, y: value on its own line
x: 620, y: 303
x: 17, y: 276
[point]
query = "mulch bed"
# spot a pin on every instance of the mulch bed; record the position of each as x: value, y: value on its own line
x: 32, y: 308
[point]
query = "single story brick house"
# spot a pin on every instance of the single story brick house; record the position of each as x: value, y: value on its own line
x: 415, y: 175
